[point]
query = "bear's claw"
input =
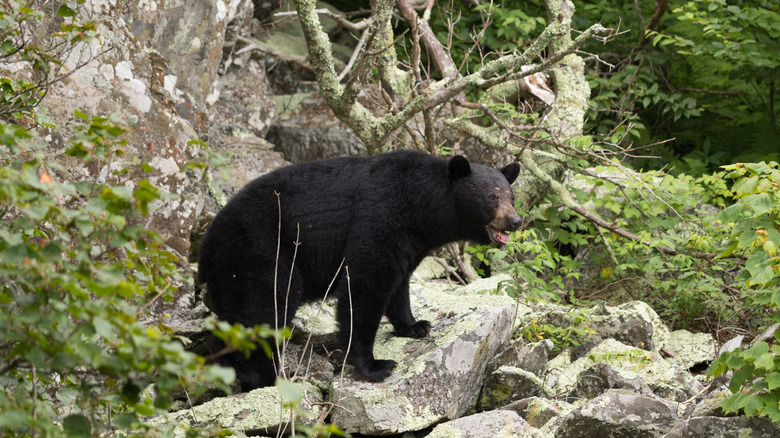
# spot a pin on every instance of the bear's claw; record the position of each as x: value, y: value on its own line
x: 419, y: 329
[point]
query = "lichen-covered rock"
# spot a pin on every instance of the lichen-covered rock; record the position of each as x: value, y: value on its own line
x: 530, y: 357
x: 306, y: 129
x: 601, y: 377
x: 190, y: 36
x: 719, y: 427
x: 539, y: 411
x: 688, y: 349
x: 664, y: 379
x: 254, y: 412
x: 709, y: 404
x: 619, y: 414
x: 508, y: 384
x: 436, y: 378
x: 633, y: 324
x: 630, y: 324
x: 493, y: 424
x: 155, y: 62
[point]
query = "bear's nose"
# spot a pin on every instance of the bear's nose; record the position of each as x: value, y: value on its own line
x: 515, y: 222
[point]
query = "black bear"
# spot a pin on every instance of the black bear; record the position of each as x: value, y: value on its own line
x: 380, y: 215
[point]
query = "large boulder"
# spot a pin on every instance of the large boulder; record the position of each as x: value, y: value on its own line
x: 486, y: 425
x: 629, y: 368
x: 154, y: 63
x: 719, y: 427
x: 508, y: 384
x: 256, y: 412
x: 306, y: 129
x: 437, y: 378
x: 618, y: 414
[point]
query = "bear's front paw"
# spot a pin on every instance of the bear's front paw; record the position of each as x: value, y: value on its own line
x: 376, y: 371
x: 419, y: 329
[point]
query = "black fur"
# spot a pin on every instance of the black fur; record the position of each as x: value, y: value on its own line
x: 380, y: 214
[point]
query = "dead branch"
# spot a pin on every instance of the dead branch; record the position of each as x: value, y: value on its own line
x: 252, y: 44
x: 438, y: 54
x: 340, y: 19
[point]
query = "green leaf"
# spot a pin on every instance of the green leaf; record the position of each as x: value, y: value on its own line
x: 126, y: 420
x: 766, y: 361
x: 756, y: 351
x: 728, y: 251
x: 77, y: 426
x: 732, y: 402
x: 762, y: 276
x: 775, y: 301
x: 761, y: 204
x: 14, y: 418
x: 7, y: 47
x: 290, y: 392
x: 745, y: 186
x: 752, y: 405
x: 773, y: 380
x: 769, y: 247
x: 104, y: 328
x: 65, y: 11
x: 731, y: 213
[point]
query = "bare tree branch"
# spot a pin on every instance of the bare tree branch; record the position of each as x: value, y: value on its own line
x: 441, y: 59
x: 374, y: 130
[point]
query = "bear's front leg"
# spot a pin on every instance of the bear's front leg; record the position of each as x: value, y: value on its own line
x: 399, y: 312
x: 357, y: 332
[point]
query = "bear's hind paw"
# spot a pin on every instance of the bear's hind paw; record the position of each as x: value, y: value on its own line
x: 377, y: 371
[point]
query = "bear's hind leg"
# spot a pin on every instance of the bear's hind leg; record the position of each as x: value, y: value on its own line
x: 248, y: 300
x: 256, y: 371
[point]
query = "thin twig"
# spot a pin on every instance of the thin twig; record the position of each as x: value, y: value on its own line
x: 355, y: 53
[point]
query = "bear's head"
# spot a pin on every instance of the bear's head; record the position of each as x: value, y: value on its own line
x: 484, y: 200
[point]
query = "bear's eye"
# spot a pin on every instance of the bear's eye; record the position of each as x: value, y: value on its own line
x: 492, y: 196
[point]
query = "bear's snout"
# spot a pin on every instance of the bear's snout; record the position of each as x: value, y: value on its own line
x: 504, y: 222
x: 514, y: 223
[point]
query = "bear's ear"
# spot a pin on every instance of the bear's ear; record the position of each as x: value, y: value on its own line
x: 458, y: 167
x: 511, y: 171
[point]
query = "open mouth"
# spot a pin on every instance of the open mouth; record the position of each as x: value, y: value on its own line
x: 498, y: 236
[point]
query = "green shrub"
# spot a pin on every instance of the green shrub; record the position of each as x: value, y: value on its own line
x: 76, y: 266
x: 754, y: 223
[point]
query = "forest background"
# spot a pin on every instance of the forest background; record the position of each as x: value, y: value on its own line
x: 683, y: 87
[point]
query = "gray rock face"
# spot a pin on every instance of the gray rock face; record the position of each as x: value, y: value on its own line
x: 254, y: 412
x: 618, y: 414
x: 719, y: 427
x: 530, y: 357
x: 508, y: 384
x: 601, y: 377
x: 160, y: 68
x: 305, y: 129
x: 486, y: 425
x: 539, y: 411
x: 437, y: 378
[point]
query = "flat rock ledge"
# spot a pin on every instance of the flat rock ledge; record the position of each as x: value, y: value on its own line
x: 477, y: 375
x: 437, y: 378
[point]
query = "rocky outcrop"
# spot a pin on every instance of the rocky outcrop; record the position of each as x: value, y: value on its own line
x: 500, y: 423
x: 307, y: 130
x: 619, y: 413
x: 437, y: 378
x: 255, y: 412
x: 469, y: 379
